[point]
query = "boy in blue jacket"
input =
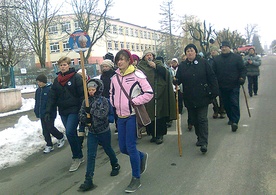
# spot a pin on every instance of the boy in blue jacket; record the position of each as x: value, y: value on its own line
x: 48, y: 128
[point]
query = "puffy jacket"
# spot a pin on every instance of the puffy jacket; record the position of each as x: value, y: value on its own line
x: 41, y: 98
x: 228, y: 69
x: 136, y: 85
x: 67, y: 98
x: 252, y: 69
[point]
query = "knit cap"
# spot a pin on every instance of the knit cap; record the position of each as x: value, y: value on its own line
x: 42, y: 78
x: 108, y: 63
x: 92, y: 84
x: 190, y: 46
x: 148, y: 51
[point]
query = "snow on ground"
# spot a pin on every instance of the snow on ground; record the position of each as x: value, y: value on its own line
x: 25, y: 138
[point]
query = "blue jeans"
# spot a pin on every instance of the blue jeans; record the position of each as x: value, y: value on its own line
x: 92, y: 145
x: 127, y: 136
x: 70, y: 123
x: 231, y: 101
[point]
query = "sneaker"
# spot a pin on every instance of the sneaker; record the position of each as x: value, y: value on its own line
x: 134, y: 185
x: 76, y: 164
x: 48, y: 149
x: 153, y: 139
x: 115, y: 170
x: 203, y: 149
x: 144, y: 163
x: 60, y: 142
x: 87, y: 185
x: 222, y: 115
x: 234, y: 127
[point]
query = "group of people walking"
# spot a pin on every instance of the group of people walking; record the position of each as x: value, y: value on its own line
x: 128, y: 80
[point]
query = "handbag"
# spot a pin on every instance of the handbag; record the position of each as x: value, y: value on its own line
x: 142, y: 116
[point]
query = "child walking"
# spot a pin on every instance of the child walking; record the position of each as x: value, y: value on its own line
x: 138, y: 88
x: 99, y: 131
x: 48, y: 128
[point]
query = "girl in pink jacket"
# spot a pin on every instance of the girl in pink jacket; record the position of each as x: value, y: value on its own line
x: 137, y: 87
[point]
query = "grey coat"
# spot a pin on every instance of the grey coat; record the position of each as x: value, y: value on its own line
x: 252, y: 69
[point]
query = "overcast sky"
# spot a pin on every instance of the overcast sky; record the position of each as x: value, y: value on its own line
x: 235, y: 14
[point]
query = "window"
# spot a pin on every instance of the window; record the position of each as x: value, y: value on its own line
x: 108, y: 29
x: 145, y: 34
x: 122, y: 45
x: 141, y: 34
x: 133, y: 46
x: 149, y: 35
x: 131, y: 32
x: 115, y: 29
x: 72, y: 62
x: 66, y: 46
x: 142, y: 47
x: 54, y: 47
x: 54, y: 63
x: 53, y: 29
x: 109, y: 45
x: 137, y: 47
x: 121, y: 30
x: 77, y: 25
x: 116, y: 43
x: 136, y: 33
x: 126, y: 29
x: 66, y: 26
x: 128, y: 45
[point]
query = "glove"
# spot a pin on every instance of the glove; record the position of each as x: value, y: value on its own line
x: 87, y: 110
x: 47, y: 117
x: 241, y: 81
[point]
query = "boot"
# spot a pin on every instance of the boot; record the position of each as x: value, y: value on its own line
x: 133, y: 185
x: 87, y: 185
x: 115, y: 170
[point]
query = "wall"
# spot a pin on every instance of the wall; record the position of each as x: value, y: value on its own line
x: 10, y: 99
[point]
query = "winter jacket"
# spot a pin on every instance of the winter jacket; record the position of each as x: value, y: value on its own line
x: 136, y: 85
x: 41, y: 98
x: 252, y: 69
x: 99, y: 107
x: 228, y: 69
x: 105, y: 77
x: 67, y: 98
x: 161, y: 82
x: 199, y: 82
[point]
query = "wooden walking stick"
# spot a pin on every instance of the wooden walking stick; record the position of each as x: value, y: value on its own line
x: 84, y: 83
x: 246, y: 101
x: 177, y: 121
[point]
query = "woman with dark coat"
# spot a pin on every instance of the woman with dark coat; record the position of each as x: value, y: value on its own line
x: 67, y: 94
x: 200, y: 86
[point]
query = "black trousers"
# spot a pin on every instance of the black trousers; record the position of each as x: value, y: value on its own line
x: 48, y: 129
x: 198, y: 117
x: 252, y: 84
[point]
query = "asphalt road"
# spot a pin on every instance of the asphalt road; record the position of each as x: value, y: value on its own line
x: 240, y: 163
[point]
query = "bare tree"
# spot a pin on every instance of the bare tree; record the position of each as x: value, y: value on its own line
x: 35, y: 18
x: 201, y: 33
x: 13, y: 45
x: 92, y: 20
x: 250, y: 30
x: 168, y: 25
x: 234, y: 37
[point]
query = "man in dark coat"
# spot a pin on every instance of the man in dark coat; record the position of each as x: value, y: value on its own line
x: 162, y: 107
x: 231, y: 73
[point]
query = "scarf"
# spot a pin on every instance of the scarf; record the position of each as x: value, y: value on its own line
x: 63, y: 79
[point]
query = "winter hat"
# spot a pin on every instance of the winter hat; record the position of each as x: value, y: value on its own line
x: 135, y: 57
x: 92, y: 84
x: 109, y: 56
x: 225, y: 43
x: 148, y: 51
x: 190, y: 46
x: 80, y: 71
x: 108, y: 63
x: 175, y: 59
x: 42, y: 78
x: 251, y: 48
